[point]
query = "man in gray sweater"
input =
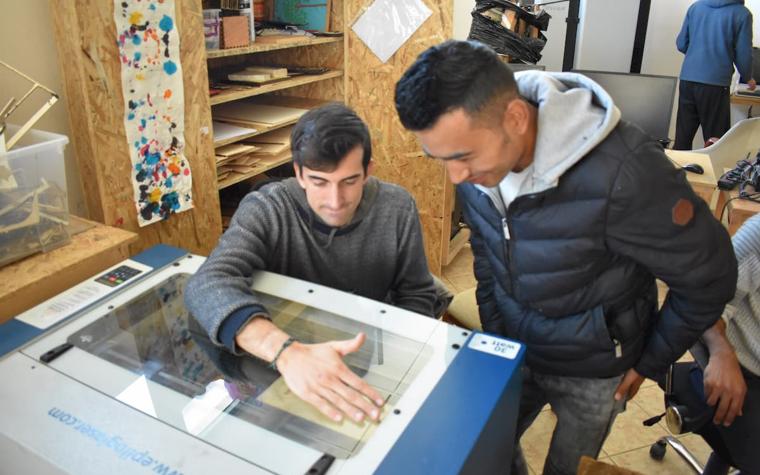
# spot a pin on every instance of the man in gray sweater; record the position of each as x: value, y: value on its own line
x: 333, y: 225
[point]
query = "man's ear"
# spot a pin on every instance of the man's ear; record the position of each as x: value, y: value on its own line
x: 299, y: 175
x: 370, y: 169
x: 516, y: 116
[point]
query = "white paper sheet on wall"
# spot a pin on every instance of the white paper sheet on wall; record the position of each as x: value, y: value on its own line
x: 387, y: 24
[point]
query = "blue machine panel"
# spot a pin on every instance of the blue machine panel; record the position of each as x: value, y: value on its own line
x: 469, y: 416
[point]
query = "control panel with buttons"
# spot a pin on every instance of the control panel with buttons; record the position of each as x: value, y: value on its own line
x: 118, y: 276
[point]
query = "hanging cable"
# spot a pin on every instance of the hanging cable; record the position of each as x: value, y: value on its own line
x: 487, y: 28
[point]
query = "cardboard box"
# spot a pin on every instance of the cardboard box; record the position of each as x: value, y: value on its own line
x: 235, y: 32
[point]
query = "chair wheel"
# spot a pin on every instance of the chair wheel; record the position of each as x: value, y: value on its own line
x: 657, y: 450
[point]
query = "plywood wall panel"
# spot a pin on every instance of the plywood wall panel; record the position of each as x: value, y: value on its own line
x: 370, y: 91
x: 86, y: 38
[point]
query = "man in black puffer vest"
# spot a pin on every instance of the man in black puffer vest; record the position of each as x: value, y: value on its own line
x: 573, y: 213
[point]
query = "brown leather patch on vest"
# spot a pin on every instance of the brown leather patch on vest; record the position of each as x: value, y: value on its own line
x: 683, y: 212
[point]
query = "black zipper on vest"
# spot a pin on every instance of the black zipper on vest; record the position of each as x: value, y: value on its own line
x: 507, y: 234
x: 506, y: 227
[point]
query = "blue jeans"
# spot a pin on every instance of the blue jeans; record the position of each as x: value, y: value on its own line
x: 585, y: 410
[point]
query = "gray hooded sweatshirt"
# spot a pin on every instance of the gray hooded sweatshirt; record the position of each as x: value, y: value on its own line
x: 378, y: 255
x: 574, y: 115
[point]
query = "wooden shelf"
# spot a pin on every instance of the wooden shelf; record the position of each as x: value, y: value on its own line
x: 259, y: 168
x: 284, y: 101
x: 242, y: 92
x: 272, y: 43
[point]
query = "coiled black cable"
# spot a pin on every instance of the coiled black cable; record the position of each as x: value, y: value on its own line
x: 504, y: 41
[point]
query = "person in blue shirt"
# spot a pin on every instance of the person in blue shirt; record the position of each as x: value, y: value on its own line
x: 715, y: 36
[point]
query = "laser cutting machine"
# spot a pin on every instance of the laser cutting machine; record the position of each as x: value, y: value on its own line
x: 114, y: 376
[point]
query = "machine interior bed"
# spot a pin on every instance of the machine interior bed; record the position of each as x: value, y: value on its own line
x: 155, y: 339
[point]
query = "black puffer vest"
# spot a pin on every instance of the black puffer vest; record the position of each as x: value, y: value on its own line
x: 575, y: 279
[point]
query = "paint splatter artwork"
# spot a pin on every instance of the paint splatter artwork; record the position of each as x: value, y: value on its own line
x: 151, y: 78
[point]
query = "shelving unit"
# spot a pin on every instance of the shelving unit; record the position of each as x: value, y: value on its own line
x: 242, y: 92
x: 91, y: 73
x: 280, y: 50
x: 301, y: 91
x: 272, y: 43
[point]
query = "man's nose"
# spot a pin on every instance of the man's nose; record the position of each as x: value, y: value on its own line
x: 335, y: 197
x: 458, y: 172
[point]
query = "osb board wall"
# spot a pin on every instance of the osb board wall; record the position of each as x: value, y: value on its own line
x: 398, y: 156
x: 337, y: 15
x: 86, y: 38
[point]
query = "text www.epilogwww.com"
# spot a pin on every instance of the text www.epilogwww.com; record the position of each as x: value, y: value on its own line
x: 115, y: 443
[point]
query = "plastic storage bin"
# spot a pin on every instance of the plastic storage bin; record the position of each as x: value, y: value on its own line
x: 34, y: 213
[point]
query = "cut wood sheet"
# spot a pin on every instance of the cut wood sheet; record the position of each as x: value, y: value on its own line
x: 234, y: 167
x: 261, y: 113
x: 273, y: 71
x: 249, y: 160
x: 259, y: 74
x: 225, y: 131
x: 249, y: 77
x: 280, y: 396
x: 269, y: 149
x: 235, y: 149
x: 7, y: 180
x: 222, y: 160
x: 254, y: 78
x: 278, y: 136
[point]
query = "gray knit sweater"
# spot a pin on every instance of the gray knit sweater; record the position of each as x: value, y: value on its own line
x: 378, y: 255
x: 742, y: 314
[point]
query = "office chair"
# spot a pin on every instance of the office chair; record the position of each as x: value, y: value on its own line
x: 741, y: 142
x: 685, y: 412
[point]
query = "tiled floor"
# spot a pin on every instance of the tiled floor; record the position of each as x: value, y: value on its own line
x: 629, y: 441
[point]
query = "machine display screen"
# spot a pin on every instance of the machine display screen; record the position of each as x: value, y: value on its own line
x: 194, y: 384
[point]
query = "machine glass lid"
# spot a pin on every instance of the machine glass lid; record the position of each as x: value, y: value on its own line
x: 180, y: 377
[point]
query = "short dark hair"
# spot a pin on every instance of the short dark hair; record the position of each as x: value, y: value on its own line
x: 322, y: 137
x: 448, y: 76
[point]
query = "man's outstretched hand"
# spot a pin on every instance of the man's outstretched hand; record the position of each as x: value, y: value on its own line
x: 317, y: 374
